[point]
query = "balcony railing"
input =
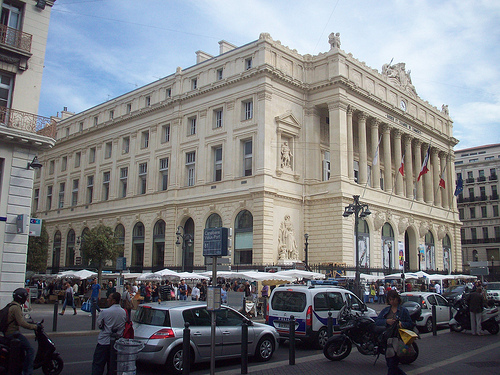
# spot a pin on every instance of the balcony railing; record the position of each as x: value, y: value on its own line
x: 481, y: 179
x: 493, y: 197
x: 469, y: 180
x: 28, y: 122
x: 15, y: 38
x: 493, y: 177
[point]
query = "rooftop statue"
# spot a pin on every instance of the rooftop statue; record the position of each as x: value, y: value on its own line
x: 398, y: 75
x: 334, y: 40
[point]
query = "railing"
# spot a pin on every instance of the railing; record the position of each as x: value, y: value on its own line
x: 481, y: 179
x: 493, y: 197
x: 469, y: 180
x: 493, y: 177
x: 15, y: 38
x: 29, y: 122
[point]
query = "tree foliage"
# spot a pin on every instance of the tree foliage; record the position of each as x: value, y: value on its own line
x: 100, y: 246
x: 38, y: 254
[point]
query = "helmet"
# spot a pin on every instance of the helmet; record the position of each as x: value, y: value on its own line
x: 20, y: 295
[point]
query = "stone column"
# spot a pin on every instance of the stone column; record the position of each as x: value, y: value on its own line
x: 418, y: 159
x: 408, y: 166
x: 428, y: 181
x: 444, y: 167
x: 375, y: 168
x: 350, y: 145
x: 363, y: 167
x: 386, y: 140
x: 436, y: 167
x: 338, y: 139
x: 398, y: 155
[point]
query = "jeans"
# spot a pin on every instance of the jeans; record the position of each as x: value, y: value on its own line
x: 66, y: 303
x: 392, y: 366
x: 102, y: 356
x: 94, y: 304
x: 30, y: 353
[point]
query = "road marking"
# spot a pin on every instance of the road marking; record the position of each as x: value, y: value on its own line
x: 457, y: 358
x: 76, y: 363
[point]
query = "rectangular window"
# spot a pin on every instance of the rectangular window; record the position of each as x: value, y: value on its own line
x: 247, y: 110
x: 96, y: 120
x: 495, y: 211
x: 481, y: 173
x: 356, y: 171
x: 247, y: 158
x: 49, y: 198
x: 168, y: 93
x: 482, y: 192
x: 461, y: 213
x: 64, y: 163
x: 497, y: 233
x: 62, y: 186
x: 74, y: 193
x: 92, y: 151
x: 67, y: 132
x: 194, y: 84
x: 123, y: 182
x: 471, y: 193
x: 51, y: 166
x: 129, y: 108
x: 165, y: 133
x: 90, y: 189
x: 326, y: 166
x: 6, y: 83
x: 143, y: 174
x: 36, y: 198
x: 472, y: 212
x: 485, y: 233
x: 163, y: 174
x: 218, y: 118
x: 493, y: 172
x: 248, y: 63
x: 78, y: 157
x: 108, y: 149
x: 125, y: 145
x: 192, y: 126
x: 473, y: 233
x: 220, y: 73
x: 145, y: 139
x: 190, y: 168
x: 80, y: 126
x: 218, y: 164
x: 494, y: 192
x: 147, y: 101
x: 106, y: 176
x: 111, y: 115
x: 483, y: 211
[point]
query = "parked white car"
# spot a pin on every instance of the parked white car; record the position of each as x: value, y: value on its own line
x: 493, y: 292
x: 426, y: 300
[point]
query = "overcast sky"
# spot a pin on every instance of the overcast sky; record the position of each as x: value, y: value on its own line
x: 100, y: 49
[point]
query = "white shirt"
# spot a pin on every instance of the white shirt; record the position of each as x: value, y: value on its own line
x: 195, y: 293
x: 438, y: 288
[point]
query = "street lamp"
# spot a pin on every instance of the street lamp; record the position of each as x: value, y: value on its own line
x: 306, y: 236
x: 187, y: 240
x: 360, y: 211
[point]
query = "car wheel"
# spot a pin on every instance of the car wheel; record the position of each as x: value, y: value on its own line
x: 428, y: 325
x: 321, y: 338
x: 265, y: 349
x: 174, y: 360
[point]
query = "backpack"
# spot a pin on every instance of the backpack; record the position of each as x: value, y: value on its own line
x: 4, y: 318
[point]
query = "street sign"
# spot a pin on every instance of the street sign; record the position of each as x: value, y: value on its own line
x: 220, y: 261
x: 215, y: 242
x: 121, y: 263
x: 478, y: 271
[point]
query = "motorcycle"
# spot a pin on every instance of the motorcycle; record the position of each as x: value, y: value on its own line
x: 461, y: 320
x: 46, y: 356
x: 362, y: 331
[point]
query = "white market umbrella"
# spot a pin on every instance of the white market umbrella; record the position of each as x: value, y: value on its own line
x: 82, y: 274
x: 370, y: 278
x: 166, y: 273
x: 191, y: 276
x: 301, y: 274
x: 266, y: 277
x: 149, y: 277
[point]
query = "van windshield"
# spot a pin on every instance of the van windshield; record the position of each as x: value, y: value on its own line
x: 289, y: 301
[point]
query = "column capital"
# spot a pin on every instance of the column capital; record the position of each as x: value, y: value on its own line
x: 435, y: 151
x: 418, y: 142
x: 350, y: 109
x: 386, y: 128
x: 375, y: 122
x: 397, y: 133
x: 443, y: 155
x: 362, y: 116
x: 407, y: 138
x: 337, y: 105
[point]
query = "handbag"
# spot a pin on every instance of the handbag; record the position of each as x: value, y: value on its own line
x: 172, y: 294
x: 87, y: 306
x: 128, y: 331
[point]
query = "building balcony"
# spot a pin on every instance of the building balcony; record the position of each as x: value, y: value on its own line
x: 481, y: 179
x: 28, y: 122
x: 15, y: 38
x: 483, y: 197
x: 493, y: 177
x: 469, y: 180
x: 494, y: 197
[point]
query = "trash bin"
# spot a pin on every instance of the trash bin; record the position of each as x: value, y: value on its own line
x: 126, y: 355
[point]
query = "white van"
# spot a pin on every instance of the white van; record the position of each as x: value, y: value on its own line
x: 310, y: 306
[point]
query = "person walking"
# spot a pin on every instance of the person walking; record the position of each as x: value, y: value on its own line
x: 476, y: 302
x: 68, y: 299
x: 111, y: 319
x: 183, y: 291
x: 195, y: 292
x: 94, y: 296
x: 389, y: 316
x: 381, y: 293
x: 110, y: 289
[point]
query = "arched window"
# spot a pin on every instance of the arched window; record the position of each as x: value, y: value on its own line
x: 447, y: 254
x: 159, y: 244
x: 85, y: 232
x: 214, y: 221
x: 475, y: 257
x: 70, y: 248
x: 120, y: 239
x: 56, y: 252
x: 388, y: 247
x: 243, y: 238
x: 138, y: 246
x: 430, y: 252
x: 364, y: 244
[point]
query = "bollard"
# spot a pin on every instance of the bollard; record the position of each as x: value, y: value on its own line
x: 291, y: 347
x: 434, y: 325
x: 186, y: 352
x: 451, y: 317
x: 54, y: 319
x: 329, y: 325
x: 244, y: 347
x: 93, y: 312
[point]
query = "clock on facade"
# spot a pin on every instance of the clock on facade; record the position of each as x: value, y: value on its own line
x: 403, y: 105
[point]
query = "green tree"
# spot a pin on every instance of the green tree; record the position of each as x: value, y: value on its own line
x: 38, y: 252
x: 100, y: 246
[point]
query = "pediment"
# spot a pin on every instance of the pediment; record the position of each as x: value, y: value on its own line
x: 287, y: 123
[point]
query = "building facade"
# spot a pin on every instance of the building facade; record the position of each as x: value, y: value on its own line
x: 478, y: 205
x: 23, y: 134
x: 268, y: 142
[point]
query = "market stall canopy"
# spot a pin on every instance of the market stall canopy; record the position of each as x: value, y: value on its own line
x: 82, y: 274
x: 370, y: 278
x: 397, y: 276
x: 191, y: 276
x: 166, y: 273
x: 149, y: 277
x: 300, y: 274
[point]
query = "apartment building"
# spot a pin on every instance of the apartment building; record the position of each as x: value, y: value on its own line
x: 268, y: 142
x: 478, y: 204
x: 23, y: 134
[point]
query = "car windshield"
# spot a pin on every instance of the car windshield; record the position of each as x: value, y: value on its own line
x: 414, y: 298
x: 150, y: 316
x: 493, y: 286
x: 455, y: 289
x: 287, y: 300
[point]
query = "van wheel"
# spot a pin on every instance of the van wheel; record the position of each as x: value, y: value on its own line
x: 321, y: 338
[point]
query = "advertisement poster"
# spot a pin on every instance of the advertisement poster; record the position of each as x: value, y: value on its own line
x: 446, y: 260
x: 430, y: 260
x: 421, y: 257
x: 401, y: 255
x: 388, y: 253
x: 364, y: 251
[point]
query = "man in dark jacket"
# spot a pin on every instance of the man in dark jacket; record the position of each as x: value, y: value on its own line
x: 476, y: 302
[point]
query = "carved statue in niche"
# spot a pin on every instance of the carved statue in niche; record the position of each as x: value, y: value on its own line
x: 400, y: 76
x: 286, y: 156
x: 287, y: 247
x: 334, y: 40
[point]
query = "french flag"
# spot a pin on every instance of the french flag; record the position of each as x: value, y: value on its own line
x: 424, y: 169
x: 402, y: 166
x: 442, y: 182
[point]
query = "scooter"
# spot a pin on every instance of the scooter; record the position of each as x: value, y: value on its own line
x: 461, y: 320
x: 46, y: 356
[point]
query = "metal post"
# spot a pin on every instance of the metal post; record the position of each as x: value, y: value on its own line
x: 186, y: 351
x: 244, y: 347
x: 357, y: 282
x: 54, y: 319
x: 329, y: 325
x: 213, y: 327
x: 451, y: 317
x: 306, y: 236
x: 434, y: 326
x: 93, y: 312
x: 291, y: 346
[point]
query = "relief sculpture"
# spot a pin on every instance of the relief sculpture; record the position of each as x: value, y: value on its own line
x: 287, y: 246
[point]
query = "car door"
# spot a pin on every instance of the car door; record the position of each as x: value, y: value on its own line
x: 443, y: 316
x: 230, y: 324
x: 433, y: 302
x: 200, y: 325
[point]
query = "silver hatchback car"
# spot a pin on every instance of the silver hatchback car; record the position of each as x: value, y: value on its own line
x: 160, y: 327
x: 426, y: 300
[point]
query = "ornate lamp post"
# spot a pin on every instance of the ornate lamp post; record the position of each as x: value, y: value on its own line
x: 360, y: 211
x: 306, y: 236
x: 187, y: 240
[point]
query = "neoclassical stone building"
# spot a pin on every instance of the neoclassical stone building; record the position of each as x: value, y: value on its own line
x: 266, y: 141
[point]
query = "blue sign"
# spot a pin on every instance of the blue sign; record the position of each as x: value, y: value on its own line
x: 215, y: 242
x: 121, y: 263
